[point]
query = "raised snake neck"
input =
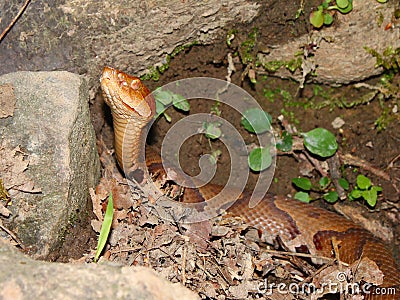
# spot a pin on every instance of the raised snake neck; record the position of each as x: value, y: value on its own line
x: 297, y: 225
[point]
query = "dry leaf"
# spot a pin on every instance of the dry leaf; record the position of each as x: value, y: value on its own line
x: 367, y: 270
x: 13, y: 164
x: 7, y: 100
x: 4, y: 211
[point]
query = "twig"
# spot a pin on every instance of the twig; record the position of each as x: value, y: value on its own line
x: 183, y: 263
x: 349, y: 159
x: 5, y: 31
x: 334, y: 170
x: 13, y: 236
x: 284, y: 253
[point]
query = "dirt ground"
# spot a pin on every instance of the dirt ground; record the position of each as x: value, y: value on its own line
x: 160, y: 245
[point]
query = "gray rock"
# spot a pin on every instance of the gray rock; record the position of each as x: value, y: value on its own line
x: 24, y: 278
x: 131, y: 35
x: 51, y: 125
x: 341, y: 57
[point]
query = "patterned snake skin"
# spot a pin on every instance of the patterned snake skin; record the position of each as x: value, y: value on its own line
x: 298, y: 225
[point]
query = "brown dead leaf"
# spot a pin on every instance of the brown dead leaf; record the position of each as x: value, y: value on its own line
x: 4, y: 211
x: 7, y: 100
x: 367, y: 270
x: 96, y: 203
x: 13, y: 164
x: 199, y: 234
x: 241, y: 290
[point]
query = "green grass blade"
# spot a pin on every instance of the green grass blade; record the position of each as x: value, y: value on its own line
x: 105, y: 227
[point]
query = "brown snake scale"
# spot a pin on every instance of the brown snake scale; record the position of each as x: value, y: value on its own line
x: 298, y: 225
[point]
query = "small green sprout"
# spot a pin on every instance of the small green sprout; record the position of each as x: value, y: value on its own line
x: 365, y: 190
x: 324, y: 186
x: 323, y: 14
x: 105, y: 227
x: 166, y: 98
x: 285, y: 143
x: 212, y: 130
x: 214, y: 155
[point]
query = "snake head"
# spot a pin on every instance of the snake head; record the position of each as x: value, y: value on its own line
x: 126, y: 95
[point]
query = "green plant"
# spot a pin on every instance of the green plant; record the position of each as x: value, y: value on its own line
x: 165, y: 99
x: 212, y: 130
x: 257, y: 121
x: 365, y: 190
x: 323, y: 14
x: 105, y: 227
x: 324, y: 186
x: 285, y: 143
x: 320, y: 141
x: 246, y: 48
x: 389, y: 59
x: 259, y: 159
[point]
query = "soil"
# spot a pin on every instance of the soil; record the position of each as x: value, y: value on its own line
x: 358, y: 136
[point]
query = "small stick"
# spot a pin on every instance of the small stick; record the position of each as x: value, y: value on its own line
x: 361, y: 163
x: 13, y: 236
x: 4, y: 33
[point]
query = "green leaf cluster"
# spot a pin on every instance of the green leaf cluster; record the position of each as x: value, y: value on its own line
x: 323, y: 16
x: 365, y: 190
x: 165, y: 99
x: 306, y: 186
x: 212, y: 130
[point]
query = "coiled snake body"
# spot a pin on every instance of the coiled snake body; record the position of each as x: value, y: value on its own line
x: 298, y: 226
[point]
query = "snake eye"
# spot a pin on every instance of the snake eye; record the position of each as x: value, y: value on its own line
x: 135, y: 84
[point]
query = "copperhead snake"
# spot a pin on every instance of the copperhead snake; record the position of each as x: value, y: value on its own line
x: 298, y: 225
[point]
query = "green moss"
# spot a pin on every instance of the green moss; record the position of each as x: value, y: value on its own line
x: 294, y: 64
x: 154, y: 72
x: 246, y: 48
x: 389, y: 59
x: 291, y: 65
x: 273, y: 65
x: 230, y: 36
x: 181, y: 48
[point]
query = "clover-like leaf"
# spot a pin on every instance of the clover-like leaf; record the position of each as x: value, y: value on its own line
x: 256, y: 120
x: 285, y: 144
x: 212, y: 130
x: 259, y: 159
x: 342, y: 3
x: 321, y: 142
x: 303, y: 183
x: 317, y: 18
x: 363, y: 182
x: 331, y: 196
x: 180, y: 102
x: 303, y: 197
x: 344, y: 183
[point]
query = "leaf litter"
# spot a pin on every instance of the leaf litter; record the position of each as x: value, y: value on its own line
x: 219, y: 259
